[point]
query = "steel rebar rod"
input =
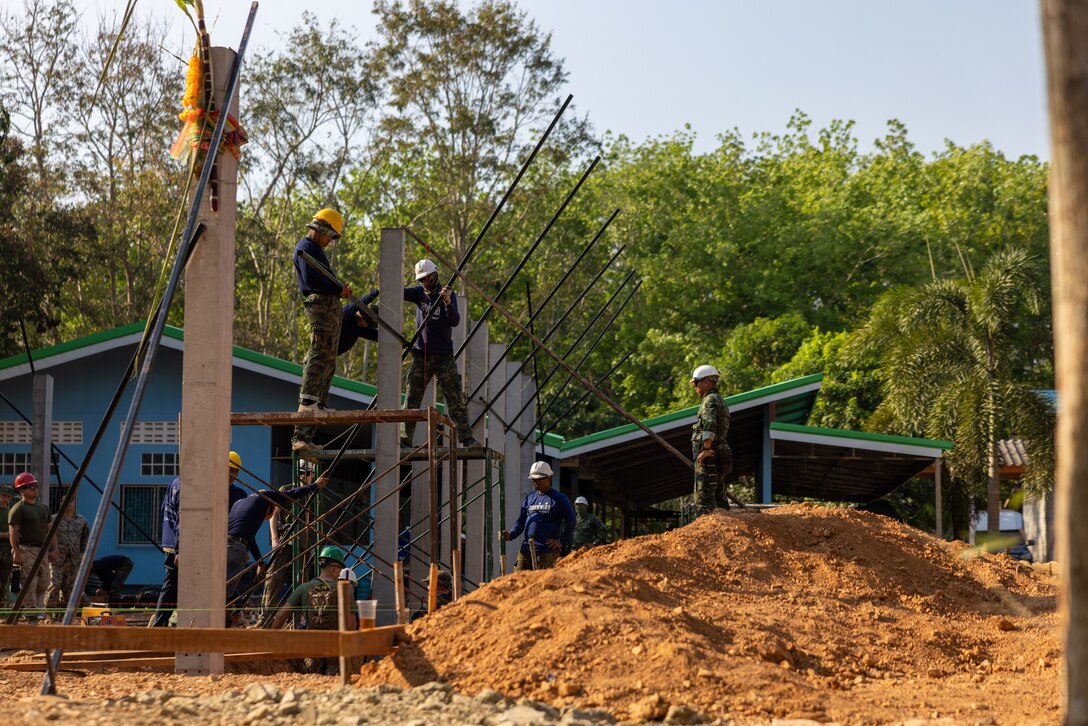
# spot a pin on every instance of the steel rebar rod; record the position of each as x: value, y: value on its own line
x: 585, y: 394
x: 536, y: 368
x: 140, y: 387
x: 547, y: 299
x: 529, y: 253
x: 363, y: 309
x: 585, y: 356
x: 495, y: 213
x: 566, y: 354
x: 554, y: 356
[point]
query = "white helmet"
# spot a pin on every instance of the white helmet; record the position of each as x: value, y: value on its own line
x: 704, y: 371
x: 582, y: 500
x: 348, y: 574
x: 540, y: 470
x: 424, y: 268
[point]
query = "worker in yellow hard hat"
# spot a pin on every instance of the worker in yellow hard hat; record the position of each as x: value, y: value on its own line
x: 322, y: 302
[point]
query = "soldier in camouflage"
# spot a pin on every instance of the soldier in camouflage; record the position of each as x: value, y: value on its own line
x: 72, y: 536
x: 713, y: 459
x: 432, y: 354
x: 322, y: 303
x: 6, y: 493
x: 589, y: 530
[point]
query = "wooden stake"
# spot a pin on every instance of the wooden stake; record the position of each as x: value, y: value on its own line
x: 432, y: 589
x: 455, y: 565
x: 400, y: 612
x: 344, y: 591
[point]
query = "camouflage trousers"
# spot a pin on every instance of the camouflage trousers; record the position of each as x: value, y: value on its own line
x: 275, y: 583
x: 544, y: 560
x: 710, y: 486
x: 36, y: 588
x: 442, y: 368
x: 62, y: 575
x: 323, y: 313
x: 5, y: 572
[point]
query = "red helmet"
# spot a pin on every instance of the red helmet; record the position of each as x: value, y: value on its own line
x: 25, y: 479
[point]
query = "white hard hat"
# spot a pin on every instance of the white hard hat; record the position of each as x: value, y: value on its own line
x: 704, y: 371
x: 348, y: 574
x: 540, y: 470
x: 424, y: 268
x: 582, y: 500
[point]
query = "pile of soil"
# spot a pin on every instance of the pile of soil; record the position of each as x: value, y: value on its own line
x: 796, y: 612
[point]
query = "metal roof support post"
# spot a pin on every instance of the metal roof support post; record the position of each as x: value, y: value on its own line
x: 766, y: 453
x: 938, y: 499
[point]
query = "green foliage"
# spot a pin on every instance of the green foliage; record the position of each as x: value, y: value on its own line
x: 755, y: 350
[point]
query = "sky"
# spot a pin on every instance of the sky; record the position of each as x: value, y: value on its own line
x: 962, y: 70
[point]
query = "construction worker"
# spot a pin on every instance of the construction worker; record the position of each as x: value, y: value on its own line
x: 279, y: 563
x: 444, y: 582
x: 171, y: 509
x: 28, y: 524
x: 245, y: 520
x: 6, y: 493
x: 112, y: 571
x: 354, y: 325
x: 432, y: 354
x: 589, y: 530
x: 322, y: 304
x: 713, y: 459
x: 71, y: 539
x: 544, y: 513
x: 314, y: 605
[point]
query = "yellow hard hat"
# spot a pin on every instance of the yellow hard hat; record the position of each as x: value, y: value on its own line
x: 235, y: 460
x: 328, y: 219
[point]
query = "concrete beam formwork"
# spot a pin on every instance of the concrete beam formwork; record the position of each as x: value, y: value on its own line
x: 476, y: 364
x: 387, y: 435
x: 496, y: 441
x: 205, y: 405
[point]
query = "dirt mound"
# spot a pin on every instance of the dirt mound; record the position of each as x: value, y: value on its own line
x: 797, y: 612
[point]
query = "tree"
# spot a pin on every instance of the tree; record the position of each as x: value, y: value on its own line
x: 951, y: 354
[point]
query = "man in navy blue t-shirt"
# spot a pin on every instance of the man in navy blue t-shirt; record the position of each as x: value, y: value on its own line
x: 547, y: 519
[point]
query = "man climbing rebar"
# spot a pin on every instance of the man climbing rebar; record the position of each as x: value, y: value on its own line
x: 432, y: 354
x: 323, y: 312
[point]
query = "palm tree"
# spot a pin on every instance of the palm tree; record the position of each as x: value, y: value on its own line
x: 953, y: 359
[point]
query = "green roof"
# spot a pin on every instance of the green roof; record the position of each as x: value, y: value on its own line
x: 862, y: 436
x: 665, y: 418
x: 178, y: 334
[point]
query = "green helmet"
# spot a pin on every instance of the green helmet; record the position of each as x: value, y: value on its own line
x: 332, y: 552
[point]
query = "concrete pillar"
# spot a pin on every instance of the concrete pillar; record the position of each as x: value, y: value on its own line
x: 450, y: 479
x: 205, y: 406
x: 525, y: 423
x: 387, y: 435
x: 41, y: 435
x: 496, y: 441
x: 517, y: 471
x: 476, y: 364
x: 766, y: 454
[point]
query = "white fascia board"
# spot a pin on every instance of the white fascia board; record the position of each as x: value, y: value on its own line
x: 840, y: 442
x: 70, y: 356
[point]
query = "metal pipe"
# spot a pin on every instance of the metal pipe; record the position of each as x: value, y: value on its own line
x: 581, y: 336
x: 593, y: 345
x: 491, y: 219
x: 525, y: 259
x: 547, y: 299
x: 140, y: 388
x: 578, y: 402
x: 551, y: 354
x: 592, y: 284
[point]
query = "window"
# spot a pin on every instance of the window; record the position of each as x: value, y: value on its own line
x: 153, y: 432
x: 143, y: 505
x: 13, y: 463
x: 20, y: 432
x: 159, y: 464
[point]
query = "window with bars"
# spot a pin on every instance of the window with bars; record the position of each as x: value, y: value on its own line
x: 20, y: 432
x: 13, y: 463
x: 159, y: 464
x: 143, y: 505
x: 153, y: 432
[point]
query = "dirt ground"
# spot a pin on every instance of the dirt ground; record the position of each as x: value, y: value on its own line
x: 793, y: 613
x: 796, y: 612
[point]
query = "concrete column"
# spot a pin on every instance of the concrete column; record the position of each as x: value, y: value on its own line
x: 496, y: 441
x: 205, y: 406
x: 387, y: 435
x: 525, y: 423
x: 41, y: 435
x: 938, y: 498
x: 517, y: 471
x: 766, y: 454
x: 473, y: 557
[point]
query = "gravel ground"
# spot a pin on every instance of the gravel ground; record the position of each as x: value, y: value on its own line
x: 265, y: 703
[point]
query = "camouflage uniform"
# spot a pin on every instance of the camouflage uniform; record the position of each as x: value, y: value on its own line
x: 323, y: 313
x: 712, y: 422
x: 589, y: 531
x: 71, y: 544
x: 5, y: 548
x: 279, y: 564
x: 443, y: 369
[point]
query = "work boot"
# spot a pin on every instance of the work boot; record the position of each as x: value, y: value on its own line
x: 469, y: 443
x: 312, y: 407
x: 305, y: 446
x: 405, y: 443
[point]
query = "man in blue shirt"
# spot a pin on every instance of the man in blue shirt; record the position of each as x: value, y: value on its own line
x: 432, y: 354
x: 322, y: 304
x: 543, y: 513
x: 171, y: 508
x: 245, y: 520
